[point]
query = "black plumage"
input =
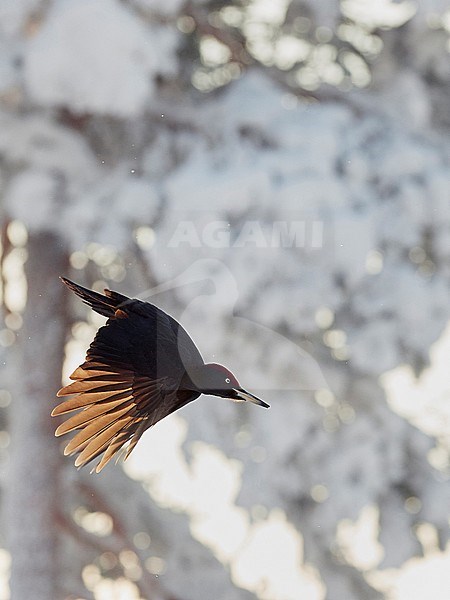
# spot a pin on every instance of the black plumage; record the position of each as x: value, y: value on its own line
x: 141, y: 367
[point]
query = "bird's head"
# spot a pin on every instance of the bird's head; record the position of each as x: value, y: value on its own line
x: 217, y: 380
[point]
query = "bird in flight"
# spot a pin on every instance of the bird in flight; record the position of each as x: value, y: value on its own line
x: 141, y: 367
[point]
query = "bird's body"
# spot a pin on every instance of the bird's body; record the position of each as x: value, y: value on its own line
x: 141, y: 367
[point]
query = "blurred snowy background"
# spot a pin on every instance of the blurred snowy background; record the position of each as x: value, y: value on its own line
x: 274, y: 173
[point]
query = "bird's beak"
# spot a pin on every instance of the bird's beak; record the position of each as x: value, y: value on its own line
x: 244, y: 396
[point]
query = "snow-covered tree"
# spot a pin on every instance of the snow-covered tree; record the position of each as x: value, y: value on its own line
x: 276, y: 176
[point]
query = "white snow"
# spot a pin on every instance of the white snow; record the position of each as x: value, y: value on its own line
x: 91, y: 57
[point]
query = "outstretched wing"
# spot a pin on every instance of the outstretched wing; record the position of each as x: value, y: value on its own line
x: 114, y: 406
x: 159, y: 333
x: 128, y: 382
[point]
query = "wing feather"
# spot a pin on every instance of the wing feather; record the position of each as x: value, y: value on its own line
x: 112, y: 413
x: 94, y: 411
x: 109, y: 412
x: 100, y: 442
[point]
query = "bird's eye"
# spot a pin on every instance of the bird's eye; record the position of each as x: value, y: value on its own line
x: 227, y: 380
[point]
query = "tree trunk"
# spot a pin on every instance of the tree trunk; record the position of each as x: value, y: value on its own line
x: 33, y: 489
